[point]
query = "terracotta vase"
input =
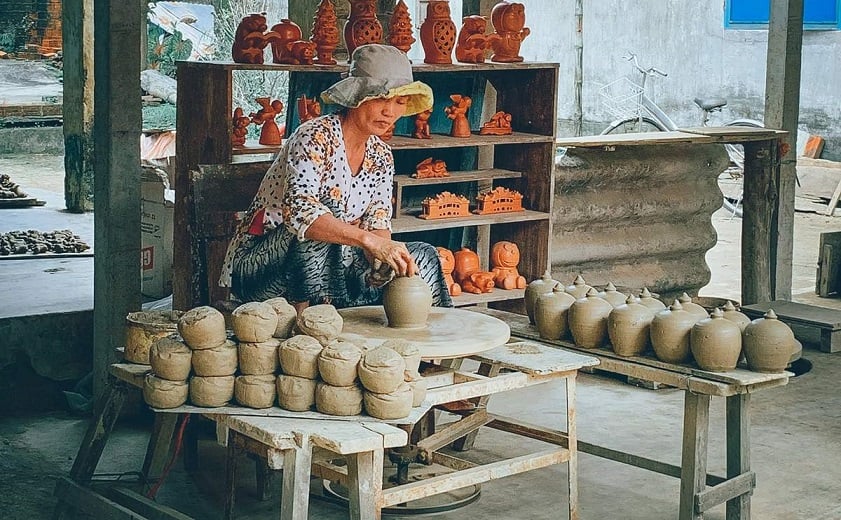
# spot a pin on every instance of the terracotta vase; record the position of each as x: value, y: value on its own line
x: 325, y: 33
x: 287, y: 32
x: 670, y: 330
x: 551, y: 313
x: 730, y: 313
x: 769, y: 344
x: 362, y: 25
x: 542, y: 285
x: 650, y: 301
x: 438, y: 33
x: 716, y: 343
x: 612, y: 296
x: 579, y: 288
x: 588, y: 320
x: 628, y: 327
x: 691, y: 307
x: 509, y: 20
x: 407, y: 301
x: 472, y: 40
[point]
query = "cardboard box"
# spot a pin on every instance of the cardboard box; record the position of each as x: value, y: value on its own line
x: 156, y: 221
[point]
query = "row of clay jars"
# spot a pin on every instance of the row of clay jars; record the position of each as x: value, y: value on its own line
x: 578, y: 289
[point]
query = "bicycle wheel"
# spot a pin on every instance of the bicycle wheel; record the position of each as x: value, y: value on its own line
x: 632, y: 125
x: 731, y: 180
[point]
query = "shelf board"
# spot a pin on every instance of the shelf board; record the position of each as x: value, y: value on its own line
x: 399, y: 142
x: 251, y: 147
x: 409, y: 222
x: 458, y: 176
x: 497, y: 295
x: 343, y: 67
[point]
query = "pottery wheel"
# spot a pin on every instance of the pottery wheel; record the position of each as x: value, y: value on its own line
x: 450, y: 333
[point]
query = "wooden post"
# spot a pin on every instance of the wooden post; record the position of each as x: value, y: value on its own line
x: 761, y: 204
x: 77, y: 110
x: 782, y: 107
x: 116, y: 178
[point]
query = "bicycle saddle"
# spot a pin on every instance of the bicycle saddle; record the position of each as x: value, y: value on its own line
x: 710, y: 104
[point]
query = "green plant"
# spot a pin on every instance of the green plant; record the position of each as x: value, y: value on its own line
x: 164, y: 49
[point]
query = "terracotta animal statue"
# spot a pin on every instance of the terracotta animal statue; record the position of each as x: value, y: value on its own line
x: 239, y: 123
x: 472, y: 40
x: 448, y: 264
x: 468, y: 274
x: 509, y: 20
x: 498, y: 124
x: 301, y: 52
x: 458, y: 113
x: 270, y: 134
x: 504, y: 258
x: 422, y: 125
x: 251, y: 38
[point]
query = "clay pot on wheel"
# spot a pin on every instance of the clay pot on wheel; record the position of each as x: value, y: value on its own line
x: 551, y: 313
x: 542, y: 285
x: 588, y: 320
x: 670, y: 331
x: 769, y: 344
x: 628, y: 327
x: 716, y: 343
x: 407, y: 302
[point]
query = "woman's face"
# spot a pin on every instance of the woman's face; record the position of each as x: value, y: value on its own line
x: 376, y: 116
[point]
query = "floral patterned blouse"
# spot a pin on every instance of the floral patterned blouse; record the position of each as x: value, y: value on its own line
x: 311, y: 175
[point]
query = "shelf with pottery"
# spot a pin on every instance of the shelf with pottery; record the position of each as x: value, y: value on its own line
x: 408, y: 221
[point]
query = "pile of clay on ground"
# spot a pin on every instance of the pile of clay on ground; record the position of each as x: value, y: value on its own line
x: 12, y: 195
x: 38, y: 242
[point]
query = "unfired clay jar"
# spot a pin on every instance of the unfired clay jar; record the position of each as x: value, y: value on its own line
x: 322, y: 322
x: 628, y: 327
x: 588, y: 320
x: 255, y: 391
x: 254, y: 322
x: 286, y: 317
x: 769, y: 344
x: 438, y: 33
x: 670, y: 331
x: 295, y: 393
x: 650, y: 301
x: 202, y: 327
x: 542, y: 285
x: 551, y: 313
x: 211, y: 392
x: 338, y: 400
x: 164, y: 394
x: 299, y: 356
x: 381, y: 370
x: 393, y: 405
x: 217, y: 361
x: 612, y: 296
x: 407, y: 301
x: 338, y: 362
x: 144, y: 328
x: 730, y: 313
x: 409, y: 351
x: 716, y: 343
x: 579, y: 287
x: 171, y: 358
x: 258, y: 359
x: 693, y: 308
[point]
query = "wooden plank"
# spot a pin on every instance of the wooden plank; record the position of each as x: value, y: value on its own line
x: 85, y: 500
x: 740, y: 486
x: 416, y: 67
x: 799, y: 313
x: 399, y: 142
x: 735, y: 134
x: 572, y: 447
x: 533, y: 358
x: 759, y: 215
x: 142, y: 505
x: 738, y: 452
x: 693, y: 463
x: 833, y: 201
x: 451, y: 432
x: 107, y: 411
x: 130, y: 373
x: 160, y: 441
x: 498, y: 295
x: 401, y: 181
x: 407, y: 221
x: 829, y: 264
x: 20, y: 202
x: 632, y: 139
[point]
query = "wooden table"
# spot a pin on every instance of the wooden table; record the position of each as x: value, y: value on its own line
x: 736, y: 386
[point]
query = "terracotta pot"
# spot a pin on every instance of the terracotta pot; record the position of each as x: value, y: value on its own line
x: 579, y: 288
x: 670, y: 331
x: 551, y: 313
x: 730, y: 313
x: 769, y: 344
x: 716, y: 343
x: 693, y: 308
x: 542, y: 285
x: 588, y: 320
x: 438, y: 33
x: 362, y: 26
x: 650, y: 301
x: 628, y: 327
x: 407, y: 301
x: 612, y: 296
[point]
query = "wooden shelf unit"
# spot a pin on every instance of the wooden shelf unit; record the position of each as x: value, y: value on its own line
x: 522, y: 161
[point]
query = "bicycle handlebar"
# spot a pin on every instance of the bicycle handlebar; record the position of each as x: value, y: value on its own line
x: 651, y: 71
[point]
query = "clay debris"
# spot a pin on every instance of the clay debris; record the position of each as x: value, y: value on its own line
x: 10, y: 189
x: 37, y: 242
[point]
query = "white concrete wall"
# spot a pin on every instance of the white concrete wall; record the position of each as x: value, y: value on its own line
x: 689, y: 42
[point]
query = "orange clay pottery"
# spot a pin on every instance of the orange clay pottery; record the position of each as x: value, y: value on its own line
x: 628, y: 327
x: 650, y: 301
x: 579, y: 288
x: 542, y: 285
x: 438, y: 33
x: 716, y: 343
x: 551, y: 311
x: 612, y: 296
x: 588, y: 320
x: 694, y: 308
x: 730, y: 313
x: 670, y: 331
x: 407, y: 301
x: 362, y: 26
x: 769, y: 344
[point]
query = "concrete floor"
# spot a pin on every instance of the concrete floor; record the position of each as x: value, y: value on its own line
x: 795, y: 430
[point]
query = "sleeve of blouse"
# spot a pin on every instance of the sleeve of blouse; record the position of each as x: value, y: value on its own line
x: 378, y: 213
x: 300, y: 202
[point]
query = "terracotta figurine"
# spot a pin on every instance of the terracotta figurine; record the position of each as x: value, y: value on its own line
x: 438, y: 33
x: 472, y: 40
x: 289, y: 47
x: 308, y: 108
x: 458, y: 113
x: 270, y: 134
x: 429, y: 168
x: 400, y: 33
x: 362, y: 25
x: 509, y: 20
x: 468, y: 274
x: 445, y: 205
x: 240, y: 123
x: 325, y: 33
x: 251, y: 38
x: 422, y: 125
x: 499, y: 200
x: 498, y: 124
x: 448, y: 264
x: 504, y: 259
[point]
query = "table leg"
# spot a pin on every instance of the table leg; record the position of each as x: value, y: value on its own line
x: 232, y: 454
x: 466, y: 443
x: 365, y: 484
x: 157, y: 450
x: 738, y: 451
x: 693, y: 466
x: 572, y: 440
x: 295, y: 494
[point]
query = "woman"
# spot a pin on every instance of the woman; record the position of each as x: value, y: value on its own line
x: 319, y: 229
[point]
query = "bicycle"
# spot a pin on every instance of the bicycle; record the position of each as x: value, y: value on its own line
x: 636, y: 112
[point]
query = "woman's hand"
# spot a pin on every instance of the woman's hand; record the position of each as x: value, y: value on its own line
x: 391, y: 252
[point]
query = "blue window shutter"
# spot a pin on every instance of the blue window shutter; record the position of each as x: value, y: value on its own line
x: 756, y: 13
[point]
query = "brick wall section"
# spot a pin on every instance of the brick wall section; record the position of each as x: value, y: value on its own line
x: 46, y: 32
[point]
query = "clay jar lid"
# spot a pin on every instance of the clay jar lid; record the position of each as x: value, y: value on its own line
x: 647, y: 299
x: 691, y: 307
x: 612, y: 296
x: 542, y: 285
x: 381, y: 370
x: 338, y: 362
x: 299, y: 356
x: 286, y: 316
x: 322, y: 322
x: 579, y: 288
x: 171, y: 358
x: 254, y: 322
x: 732, y: 314
x: 202, y: 327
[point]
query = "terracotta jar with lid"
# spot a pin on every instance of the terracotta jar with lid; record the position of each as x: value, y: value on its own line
x: 612, y: 296
x: 551, y: 313
x: 579, y: 287
x: 692, y: 307
x: 588, y: 320
x: 650, y: 301
x: 732, y: 314
x: 769, y: 344
x: 716, y: 343
x: 670, y: 331
x: 407, y: 301
x: 628, y: 327
x: 542, y: 285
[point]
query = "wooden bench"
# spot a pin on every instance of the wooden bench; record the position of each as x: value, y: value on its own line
x: 827, y: 321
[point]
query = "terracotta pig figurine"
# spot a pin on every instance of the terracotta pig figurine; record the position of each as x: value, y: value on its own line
x: 468, y: 275
x: 448, y: 264
x: 504, y: 258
